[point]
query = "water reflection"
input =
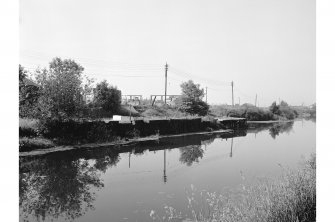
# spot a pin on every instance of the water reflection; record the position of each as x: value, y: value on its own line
x: 57, y: 188
x: 62, y: 185
x: 191, y: 154
x: 274, y: 129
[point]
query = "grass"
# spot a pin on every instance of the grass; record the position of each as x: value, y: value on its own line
x: 251, y: 113
x: 28, y: 144
x: 155, y: 111
x: 289, y: 198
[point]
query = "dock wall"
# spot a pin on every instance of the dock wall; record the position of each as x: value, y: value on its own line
x: 102, y: 131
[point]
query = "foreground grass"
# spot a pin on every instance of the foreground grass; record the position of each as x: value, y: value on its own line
x: 27, y: 143
x: 289, y: 198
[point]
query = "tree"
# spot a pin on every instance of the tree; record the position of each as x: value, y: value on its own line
x: 283, y: 110
x: 107, y: 97
x: 28, y: 94
x: 61, y: 89
x: 274, y: 108
x: 191, y: 99
x: 283, y: 103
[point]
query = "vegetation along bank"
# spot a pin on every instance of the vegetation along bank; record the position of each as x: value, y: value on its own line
x: 59, y: 105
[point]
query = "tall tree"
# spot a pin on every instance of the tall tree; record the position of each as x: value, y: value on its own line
x: 191, y: 99
x: 61, y: 88
x: 107, y: 97
x: 28, y: 94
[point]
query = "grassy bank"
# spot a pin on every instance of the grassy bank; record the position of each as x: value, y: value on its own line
x: 289, y: 198
x: 252, y: 113
x: 75, y: 132
x: 149, y: 111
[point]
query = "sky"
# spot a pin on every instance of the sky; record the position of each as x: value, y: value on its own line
x: 266, y: 47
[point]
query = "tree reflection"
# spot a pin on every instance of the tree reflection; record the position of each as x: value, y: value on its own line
x: 191, y: 154
x: 276, y: 129
x: 108, y: 160
x: 60, y: 187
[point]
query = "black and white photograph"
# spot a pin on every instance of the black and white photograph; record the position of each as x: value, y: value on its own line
x: 167, y: 111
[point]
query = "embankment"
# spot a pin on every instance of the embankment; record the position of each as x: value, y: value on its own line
x: 74, y: 132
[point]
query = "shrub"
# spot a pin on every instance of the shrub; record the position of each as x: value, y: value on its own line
x: 283, y: 110
x: 28, y: 127
x: 257, y: 114
x: 191, y: 99
x: 107, y: 97
x: 251, y: 113
x: 288, y: 113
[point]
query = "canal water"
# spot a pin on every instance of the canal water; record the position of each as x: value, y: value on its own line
x: 127, y: 183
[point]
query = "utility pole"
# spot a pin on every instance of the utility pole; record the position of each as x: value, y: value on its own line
x: 231, y: 147
x: 130, y: 113
x: 232, y: 93
x: 164, y: 171
x: 256, y: 101
x: 206, y: 94
x: 166, y: 69
x: 239, y: 102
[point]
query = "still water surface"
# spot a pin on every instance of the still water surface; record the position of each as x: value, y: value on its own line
x: 125, y: 185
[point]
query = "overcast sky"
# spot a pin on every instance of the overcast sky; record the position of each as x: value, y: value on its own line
x: 267, y: 47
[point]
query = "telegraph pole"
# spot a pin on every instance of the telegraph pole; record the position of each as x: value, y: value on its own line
x: 166, y: 69
x: 164, y: 171
x: 239, y: 102
x: 232, y: 93
x: 231, y: 147
x: 256, y: 101
x: 206, y: 94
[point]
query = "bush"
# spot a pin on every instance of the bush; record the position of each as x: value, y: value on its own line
x: 193, y: 107
x: 257, y: 114
x: 107, y: 97
x: 191, y: 99
x: 28, y: 127
x: 251, y: 113
x: 288, y: 113
x: 283, y: 110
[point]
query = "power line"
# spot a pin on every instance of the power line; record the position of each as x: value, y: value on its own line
x: 187, y: 74
x: 41, y: 55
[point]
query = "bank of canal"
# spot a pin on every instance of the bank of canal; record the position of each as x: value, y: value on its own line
x: 125, y: 184
x: 58, y: 135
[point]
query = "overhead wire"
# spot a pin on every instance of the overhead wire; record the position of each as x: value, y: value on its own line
x: 104, y: 68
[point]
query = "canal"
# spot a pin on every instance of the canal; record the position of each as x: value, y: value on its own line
x: 127, y: 183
